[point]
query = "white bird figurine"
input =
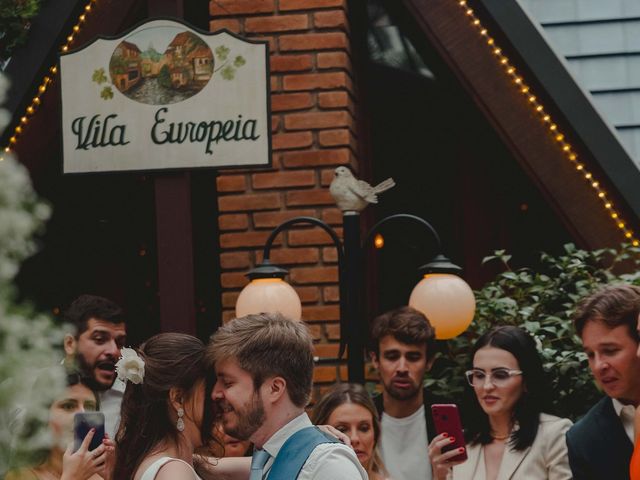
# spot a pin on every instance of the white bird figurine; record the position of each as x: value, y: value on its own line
x: 352, y: 194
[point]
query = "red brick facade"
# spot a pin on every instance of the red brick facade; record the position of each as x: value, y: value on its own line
x: 313, y: 124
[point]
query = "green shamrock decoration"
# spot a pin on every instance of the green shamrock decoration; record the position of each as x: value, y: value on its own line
x: 106, y: 93
x: 99, y: 76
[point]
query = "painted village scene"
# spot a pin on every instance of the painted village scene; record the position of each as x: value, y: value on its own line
x: 145, y: 75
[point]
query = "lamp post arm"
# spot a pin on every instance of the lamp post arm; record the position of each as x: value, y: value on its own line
x: 342, y: 277
x: 302, y: 220
x: 403, y: 216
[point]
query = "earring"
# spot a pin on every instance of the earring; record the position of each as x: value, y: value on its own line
x: 180, y: 422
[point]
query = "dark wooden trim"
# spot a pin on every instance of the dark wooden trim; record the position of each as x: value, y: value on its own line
x: 458, y: 43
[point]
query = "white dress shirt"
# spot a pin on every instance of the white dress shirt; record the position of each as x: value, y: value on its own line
x: 328, y: 461
x: 110, y: 402
x: 626, y: 414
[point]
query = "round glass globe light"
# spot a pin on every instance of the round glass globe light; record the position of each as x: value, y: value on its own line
x: 447, y: 301
x: 269, y: 295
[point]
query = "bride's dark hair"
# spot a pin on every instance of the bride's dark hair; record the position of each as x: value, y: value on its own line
x: 171, y: 360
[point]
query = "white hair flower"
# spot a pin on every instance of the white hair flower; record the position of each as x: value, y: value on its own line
x: 130, y: 366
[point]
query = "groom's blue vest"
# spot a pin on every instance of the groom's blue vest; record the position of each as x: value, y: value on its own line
x: 295, y: 451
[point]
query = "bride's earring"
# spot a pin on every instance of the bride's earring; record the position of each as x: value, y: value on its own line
x: 180, y: 422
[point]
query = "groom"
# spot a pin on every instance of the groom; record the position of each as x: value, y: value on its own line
x: 264, y: 368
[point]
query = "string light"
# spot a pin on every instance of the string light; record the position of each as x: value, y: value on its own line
x: 32, y: 108
x: 539, y: 108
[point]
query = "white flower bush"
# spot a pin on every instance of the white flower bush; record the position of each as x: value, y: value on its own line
x: 29, y: 342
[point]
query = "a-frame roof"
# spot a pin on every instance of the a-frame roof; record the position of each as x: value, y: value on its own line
x: 600, y: 180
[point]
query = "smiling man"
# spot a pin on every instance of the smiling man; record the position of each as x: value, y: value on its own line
x: 264, y: 369
x: 402, y: 350
x: 601, y: 443
x: 94, y: 349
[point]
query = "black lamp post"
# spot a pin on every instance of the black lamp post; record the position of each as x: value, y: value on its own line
x: 267, y: 290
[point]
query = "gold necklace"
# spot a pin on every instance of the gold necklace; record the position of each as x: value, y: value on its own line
x: 501, y: 437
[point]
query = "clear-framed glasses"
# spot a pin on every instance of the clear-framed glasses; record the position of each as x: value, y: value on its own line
x: 497, y: 377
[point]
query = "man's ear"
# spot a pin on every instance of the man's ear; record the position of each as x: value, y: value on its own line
x: 70, y: 345
x: 374, y: 360
x: 276, y: 388
x: 430, y: 363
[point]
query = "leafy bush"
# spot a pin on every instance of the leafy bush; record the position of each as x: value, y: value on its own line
x: 542, y: 302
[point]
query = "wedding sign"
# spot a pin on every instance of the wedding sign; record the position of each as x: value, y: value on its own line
x: 165, y: 96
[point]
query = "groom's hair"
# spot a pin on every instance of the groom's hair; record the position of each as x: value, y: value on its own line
x: 268, y: 345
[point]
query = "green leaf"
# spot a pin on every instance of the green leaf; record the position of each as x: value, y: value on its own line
x: 239, y: 61
x: 106, y: 93
x: 228, y: 72
x: 99, y: 76
x: 222, y: 53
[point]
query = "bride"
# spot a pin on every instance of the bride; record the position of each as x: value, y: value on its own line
x: 166, y: 409
x: 167, y: 414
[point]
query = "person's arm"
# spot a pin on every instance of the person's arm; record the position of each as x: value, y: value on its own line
x: 441, y: 463
x: 230, y: 468
x: 557, y: 457
x: 576, y: 462
x: 83, y: 464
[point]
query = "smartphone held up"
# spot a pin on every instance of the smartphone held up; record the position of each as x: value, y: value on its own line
x: 82, y: 424
x: 446, y: 418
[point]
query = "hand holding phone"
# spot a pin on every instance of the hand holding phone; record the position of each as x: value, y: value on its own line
x: 447, y: 420
x: 82, y: 424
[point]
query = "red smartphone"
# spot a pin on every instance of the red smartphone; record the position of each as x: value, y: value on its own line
x: 447, y: 419
x: 82, y: 423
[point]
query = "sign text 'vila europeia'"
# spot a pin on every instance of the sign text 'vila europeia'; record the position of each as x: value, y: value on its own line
x: 165, y: 96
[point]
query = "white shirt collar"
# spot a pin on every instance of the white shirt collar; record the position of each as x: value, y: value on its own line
x: 626, y: 414
x: 275, y: 443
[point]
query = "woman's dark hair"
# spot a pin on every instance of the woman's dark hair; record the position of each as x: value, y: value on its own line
x: 351, y: 393
x: 171, y: 360
x: 533, y: 400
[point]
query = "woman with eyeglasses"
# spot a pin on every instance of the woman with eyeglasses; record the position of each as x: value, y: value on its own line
x: 507, y: 435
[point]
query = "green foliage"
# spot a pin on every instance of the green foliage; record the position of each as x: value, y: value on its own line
x: 228, y: 72
x: 99, y: 76
x: 164, y: 77
x: 542, y: 302
x: 222, y: 53
x: 106, y: 93
x: 15, y: 22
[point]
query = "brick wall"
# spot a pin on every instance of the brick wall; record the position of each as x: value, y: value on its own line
x: 313, y: 125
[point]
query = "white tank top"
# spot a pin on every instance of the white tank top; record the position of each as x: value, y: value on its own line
x: 152, y: 470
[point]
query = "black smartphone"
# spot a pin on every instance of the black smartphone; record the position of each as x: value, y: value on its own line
x: 82, y: 423
x: 446, y: 418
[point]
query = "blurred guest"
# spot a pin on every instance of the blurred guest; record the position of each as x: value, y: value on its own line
x: 60, y: 462
x: 94, y: 348
x: 349, y: 408
x: 507, y: 434
x: 601, y: 443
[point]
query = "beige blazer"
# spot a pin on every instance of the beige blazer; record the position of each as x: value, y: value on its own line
x: 545, y: 459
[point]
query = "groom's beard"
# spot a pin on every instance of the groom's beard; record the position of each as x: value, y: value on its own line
x: 248, y: 419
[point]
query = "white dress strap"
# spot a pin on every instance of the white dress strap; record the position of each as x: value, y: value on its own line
x: 152, y: 470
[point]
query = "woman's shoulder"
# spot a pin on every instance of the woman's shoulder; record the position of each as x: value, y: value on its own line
x: 552, y: 426
x: 552, y: 422
x: 166, y: 468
